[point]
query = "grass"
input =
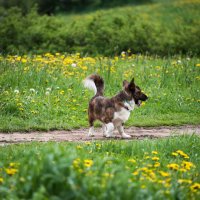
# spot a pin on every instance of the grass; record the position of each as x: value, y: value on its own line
x: 153, y: 169
x: 45, y: 92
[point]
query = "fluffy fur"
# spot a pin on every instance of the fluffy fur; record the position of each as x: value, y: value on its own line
x: 112, y: 112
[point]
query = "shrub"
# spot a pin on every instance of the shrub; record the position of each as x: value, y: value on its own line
x: 142, y: 29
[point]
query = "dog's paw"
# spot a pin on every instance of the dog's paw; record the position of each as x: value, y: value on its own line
x: 90, y: 134
x: 126, y: 136
x: 109, y: 136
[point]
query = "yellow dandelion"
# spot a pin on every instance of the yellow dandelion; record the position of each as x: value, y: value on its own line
x: 187, y: 165
x: 195, y: 187
x: 198, y: 65
x: 79, y: 147
x: 62, y: 92
x: 11, y: 171
x: 155, y: 158
x: 132, y: 160
x: 181, y: 153
x: 88, y: 163
x: 143, y: 186
x: 13, y: 164
x: 154, y: 152
x: 156, y: 164
x: 184, y: 181
x: 173, y: 166
x: 88, y: 143
x: 108, y: 175
x: 164, y: 174
x: 135, y: 173
x: 174, y: 154
x: 1, y: 180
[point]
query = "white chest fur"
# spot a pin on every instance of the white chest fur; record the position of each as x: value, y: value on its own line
x: 123, y: 115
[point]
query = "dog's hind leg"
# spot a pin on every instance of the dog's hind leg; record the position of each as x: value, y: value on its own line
x: 109, y: 129
x: 121, y: 131
x: 91, y: 129
x: 104, y: 129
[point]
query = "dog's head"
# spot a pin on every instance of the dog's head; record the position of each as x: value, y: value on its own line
x: 134, y: 92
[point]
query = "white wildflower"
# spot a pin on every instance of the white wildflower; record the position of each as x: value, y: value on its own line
x: 74, y: 65
x: 48, y: 89
x: 32, y: 90
x: 16, y: 91
x: 179, y: 61
x: 47, y: 93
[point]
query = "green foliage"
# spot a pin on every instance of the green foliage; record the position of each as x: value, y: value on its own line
x: 101, y: 170
x: 52, y: 6
x: 162, y: 28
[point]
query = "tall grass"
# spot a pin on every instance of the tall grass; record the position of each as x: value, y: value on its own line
x: 43, y: 92
x: 157, y: 169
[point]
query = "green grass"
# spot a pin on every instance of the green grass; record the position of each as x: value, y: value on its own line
x: 46, y: 92
x: 101, y: 170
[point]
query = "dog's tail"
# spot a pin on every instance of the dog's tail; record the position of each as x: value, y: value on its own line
x: 94, y: 82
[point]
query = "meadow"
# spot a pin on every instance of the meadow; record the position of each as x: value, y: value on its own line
x: 157, y: 169
x: 41, y: 74
x: 45, y: 92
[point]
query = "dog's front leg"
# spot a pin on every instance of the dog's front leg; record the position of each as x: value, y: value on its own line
x: 91, y: 131
x: 121, y: 131
x: 109, y: 129
x: 104, y: 129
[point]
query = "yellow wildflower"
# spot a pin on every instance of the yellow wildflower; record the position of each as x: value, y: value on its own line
x: 79, y: 147
x: 155, y: 158
x: 11, y: 171
x: 156, y: 164
x: 184, y: 181
x: 173, y: 166
x: 174, y: 154
x: 135, y: 173
x: 154, y: 152
x: 88, y: 163
x: 76, y: 162
x: 1, y: 180
x: 132, y: 160
x: 88, y: 143
x: 195, y: 187
x: 198, y: 65
x: 12, y: 164
x: 187, y: 165
x: 164, y: 174
x: 143, y: 186
x: 62, y: 92
x: 181, y: 153
x: 108, y: 175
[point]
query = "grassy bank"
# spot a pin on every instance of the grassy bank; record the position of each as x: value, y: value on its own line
x: 45, y: 92
x: 156, y: 169
x: 162, y: 27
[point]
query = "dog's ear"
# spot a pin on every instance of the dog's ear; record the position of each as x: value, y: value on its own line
x: 131, y: 85
x: 132, y: 82
x: 125, y: 84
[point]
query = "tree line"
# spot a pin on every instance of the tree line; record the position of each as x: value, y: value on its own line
x: 53, y: 6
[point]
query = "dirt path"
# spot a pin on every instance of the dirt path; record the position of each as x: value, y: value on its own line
x: 81, y: 134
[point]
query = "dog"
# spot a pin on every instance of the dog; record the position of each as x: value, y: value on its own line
x: 112, y: 112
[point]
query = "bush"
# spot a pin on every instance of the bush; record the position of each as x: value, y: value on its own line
x: 141, y: 29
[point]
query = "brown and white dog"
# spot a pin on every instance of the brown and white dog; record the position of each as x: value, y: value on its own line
x: 112, y: 112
